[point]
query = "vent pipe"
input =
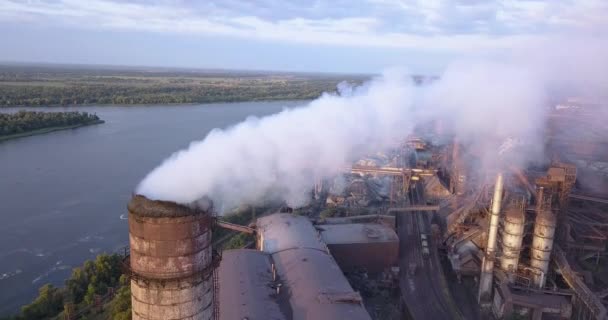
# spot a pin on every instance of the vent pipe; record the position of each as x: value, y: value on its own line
x: 487, y: 266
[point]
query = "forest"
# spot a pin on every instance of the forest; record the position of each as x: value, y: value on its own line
x: 53, y: 86
x: 28, y: 121
x: 100, y: 280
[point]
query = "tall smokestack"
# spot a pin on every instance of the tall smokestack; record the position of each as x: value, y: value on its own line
x: 487, y: 268
x: 171, y: 260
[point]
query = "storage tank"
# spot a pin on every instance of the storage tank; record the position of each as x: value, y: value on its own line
x: 542, y: 245
x: 512, y: 237
x: 171, y: 260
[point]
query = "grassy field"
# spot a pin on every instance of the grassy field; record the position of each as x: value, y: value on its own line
x: 50, y: 85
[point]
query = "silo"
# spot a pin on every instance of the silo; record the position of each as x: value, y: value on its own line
x: 512, y: 237
x: 171, y: 260
x: 542, y: 245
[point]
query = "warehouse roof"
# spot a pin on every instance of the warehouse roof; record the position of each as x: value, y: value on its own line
x: 282, y: 231
x: 357, y: 233
x: 246, y: 287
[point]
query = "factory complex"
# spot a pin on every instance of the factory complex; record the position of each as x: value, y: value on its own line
x: 425, y: 230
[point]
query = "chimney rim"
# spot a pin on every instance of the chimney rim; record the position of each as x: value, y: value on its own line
x: 141, y: 206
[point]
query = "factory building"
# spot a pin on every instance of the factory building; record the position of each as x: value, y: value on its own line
x: 316, y: 287
x: 250, y: 288
x: 514, y: 237
x: 361, y: 246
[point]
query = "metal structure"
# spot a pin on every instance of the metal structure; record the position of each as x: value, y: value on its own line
x: 249, y: 288
x: 487, y: 269
x: 542, y: 245
x: 371, y: 247
x: 401, y: 177
x: 504, y: 240
x: 305, y: 268
x: 512, y: 236
x: 171, y: 261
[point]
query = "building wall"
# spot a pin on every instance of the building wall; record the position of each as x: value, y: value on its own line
x: 374, y: 257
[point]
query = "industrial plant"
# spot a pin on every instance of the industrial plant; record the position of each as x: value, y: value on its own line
x: 422, y: 231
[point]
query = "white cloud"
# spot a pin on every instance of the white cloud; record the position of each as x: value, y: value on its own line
x: 421, y: 24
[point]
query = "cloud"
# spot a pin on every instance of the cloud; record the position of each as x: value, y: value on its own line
x: 423, y: 24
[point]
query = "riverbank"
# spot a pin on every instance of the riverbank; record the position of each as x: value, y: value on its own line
x: 47, y: 130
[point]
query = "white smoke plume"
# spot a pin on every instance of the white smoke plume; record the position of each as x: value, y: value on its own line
x: 279, y: 157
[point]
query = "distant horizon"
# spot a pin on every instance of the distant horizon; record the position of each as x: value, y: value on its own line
x: 134, y: 67
x: 360, y: 37
x: 116, y: 67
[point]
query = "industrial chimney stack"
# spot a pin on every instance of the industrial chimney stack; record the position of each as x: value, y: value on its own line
x: 487, y: 265
x: 171, y: 260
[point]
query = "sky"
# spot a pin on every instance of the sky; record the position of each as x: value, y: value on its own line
x: 344, y: 36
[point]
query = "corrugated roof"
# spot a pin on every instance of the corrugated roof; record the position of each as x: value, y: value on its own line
x: 357, y: 233
x: 316, y: 287
x: 282, y: 231
x: 245, y: 287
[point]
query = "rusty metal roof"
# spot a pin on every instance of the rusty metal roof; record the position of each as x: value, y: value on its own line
x: 246, y: 287
x: 317, y: 288
x: 282, y: 231
x: 311, y: 278
x: 357, y: 233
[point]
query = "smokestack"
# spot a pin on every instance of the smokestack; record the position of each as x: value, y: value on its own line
x: 487, y: 268
x: 171, y: 260
x: 540, y: 199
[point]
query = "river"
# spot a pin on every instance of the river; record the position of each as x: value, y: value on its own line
x: 63, y: 194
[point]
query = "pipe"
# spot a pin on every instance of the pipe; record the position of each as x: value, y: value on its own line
x: 495, y: 212
x: 487, y: 268
x: 588, y: 198
x: 234, y: 226
x: 522, y: 178
x: 539, y: 199
x: 414, y: 208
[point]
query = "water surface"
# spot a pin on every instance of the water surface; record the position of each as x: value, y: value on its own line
x: 62, y: 194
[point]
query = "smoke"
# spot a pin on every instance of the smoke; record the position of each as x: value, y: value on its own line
x: 281, y: 156
x: 486, y: 104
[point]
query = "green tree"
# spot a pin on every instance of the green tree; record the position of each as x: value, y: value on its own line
x: 77, y: 285
x: 120, y: 306
x: 89, y: 297
x: 48, y: 303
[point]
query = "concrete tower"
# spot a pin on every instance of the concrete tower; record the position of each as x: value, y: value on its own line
x: 171, y: 261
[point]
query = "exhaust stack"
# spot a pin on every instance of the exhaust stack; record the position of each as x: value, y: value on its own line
x: 171, y: 260
x: 487, y: 266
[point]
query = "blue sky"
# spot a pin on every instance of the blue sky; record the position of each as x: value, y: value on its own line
x: 321, y: 35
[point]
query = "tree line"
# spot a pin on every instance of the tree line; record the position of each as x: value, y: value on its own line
x: 161, y: 93
x: 26, y: 121
x: 93, y: 278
